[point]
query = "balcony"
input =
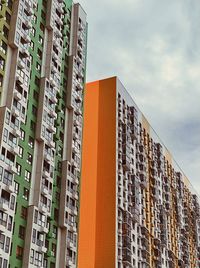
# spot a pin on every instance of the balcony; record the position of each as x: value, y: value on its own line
x: 76, y: 122
x: 126, y: 258
x: 143, y: 181
x: 47, y: 156
x: 126, y: 163
x: 42, y: 249
x: 43, y: 208
x: 4, y: 204
x: 28, y: 24
x: 53, y: 69
x: 12, y: 169
x: 135, y: 215
x: 76, y: 181
x: 17, y: 95
x: 80, y: 27
x: 3, y: 226
x: 53, y: 99
x: 52, y: 81
x: 134, y: 132
x: 80, y: 37
x: 50, y: 253
x: 29, y: 10
x: 75, y: 211
x: 19, y: 79
x: 52, y: 113
x: 26, y: 38
x: 144, y: 231
x: 51, y: 143
x: 14, y: 150
x: 15, y: 111
x: 69, y: 261
x: 46, y: 173
x: 75, y: 149
x: 43, y: 229
x: 25, y: 52
x: 78, y: 98
x: 44, y: 190
x: 21, y: 64
x: 10, y: 188
x: 78, y: 110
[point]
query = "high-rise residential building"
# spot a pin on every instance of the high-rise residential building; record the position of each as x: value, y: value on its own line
x: 137, y: 208
x: 42, y: 75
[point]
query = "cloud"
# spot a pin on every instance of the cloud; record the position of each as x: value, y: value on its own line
x: 153, y: 46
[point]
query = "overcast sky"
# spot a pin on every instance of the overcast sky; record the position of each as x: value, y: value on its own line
x: 153, y: 46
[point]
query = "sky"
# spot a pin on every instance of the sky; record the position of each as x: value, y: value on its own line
x: 153, y: 46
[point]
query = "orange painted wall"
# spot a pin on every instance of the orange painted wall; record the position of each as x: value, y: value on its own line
x: 98, y: 184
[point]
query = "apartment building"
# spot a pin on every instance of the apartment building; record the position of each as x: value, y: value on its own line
x: 137, y: 208
x: 42, y: 74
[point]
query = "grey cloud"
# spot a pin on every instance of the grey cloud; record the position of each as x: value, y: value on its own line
x: 153, y: 46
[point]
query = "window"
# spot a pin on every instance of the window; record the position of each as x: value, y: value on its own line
x: 9, y: 4
x: 40, y: 40
x: 22, y: 136
x: 34, y: 19
x: 34, y: 236
x: 1, y: 80
x: 3, y: 47
x: 7, y: 118
x: 31, y: 142
x: 42, y: 27
x: 39, y: 54
x: 38, y: 67
x: 41, y: 219
x: 7, y: 245
x: 35, y: 95
x: 38, y: 258
x: 37, y: 81
x: 26, y: 193
x: 35, y: 216
x: 33, y: 31
x: 32, y: 256
x: 54, y: 249
x: 8, y: 17
x: 5, y: 135
x: 19, y: 252
x: 10, y: 219
x: 19, y: 168
x: 29, y: 159
x: 27, y: 175
x: 2, y: 241
x: 34, y: 110
x: 1, y: 172
x: 2, y: 63
x: 32, y: 125
x: 5, y: 263
x: 24, y: 213
x: 12, y: 141
x: 20, y: 151
x: 54, y: 232
x: 12, y: 202
x: 21, y: 232
x: 7, y: 178
x: 32, y: 45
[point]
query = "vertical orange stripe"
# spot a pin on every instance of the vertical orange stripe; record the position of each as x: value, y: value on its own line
x: 98, y: 185
x: 106, y: 176
x: 87, y: 223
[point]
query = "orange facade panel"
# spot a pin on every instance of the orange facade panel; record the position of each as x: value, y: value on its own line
x: 97, y: 228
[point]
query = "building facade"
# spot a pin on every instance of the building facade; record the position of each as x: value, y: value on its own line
x: 137, y: 208
x: 42, y: 75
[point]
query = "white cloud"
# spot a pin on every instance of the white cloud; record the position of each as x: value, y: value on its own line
x: 153, y: 46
